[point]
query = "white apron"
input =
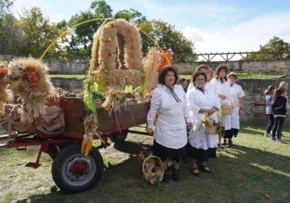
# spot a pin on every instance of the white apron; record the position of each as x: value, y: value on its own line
x: 197, y: 137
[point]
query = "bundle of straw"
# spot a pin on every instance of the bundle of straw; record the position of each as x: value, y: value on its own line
x: 30, y: 81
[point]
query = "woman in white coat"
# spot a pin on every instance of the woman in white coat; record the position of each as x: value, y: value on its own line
x: 170, y: 135
x: 223, y: 89
x: 237, y: 95
x: 201, y: 100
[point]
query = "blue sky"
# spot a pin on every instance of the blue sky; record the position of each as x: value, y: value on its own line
x: 214, y: 26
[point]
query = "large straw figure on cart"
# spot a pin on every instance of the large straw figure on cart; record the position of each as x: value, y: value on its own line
x: 117, y: 82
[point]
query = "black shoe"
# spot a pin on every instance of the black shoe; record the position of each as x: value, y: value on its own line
x: 175, y: 175
x: 225, y: 142
x: 203, y: 168
x: 231, y: 143
x: 165, y: 177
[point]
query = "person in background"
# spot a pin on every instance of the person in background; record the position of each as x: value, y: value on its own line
x: 285, y: 85
x: 270, y: 118
x: 201, y: 101
x: 183, y: 83
x: 222, y: 86
x: 237, y: 95
x: 279, y: 110
x: 170, y: 134
x: 207, y: 70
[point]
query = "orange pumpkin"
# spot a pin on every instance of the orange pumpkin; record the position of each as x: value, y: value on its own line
x: 165, y: 59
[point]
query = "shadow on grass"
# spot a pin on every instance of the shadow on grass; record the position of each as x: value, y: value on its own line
x: 240, y: 174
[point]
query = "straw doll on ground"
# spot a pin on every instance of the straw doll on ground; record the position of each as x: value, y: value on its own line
x: 201, y: 101
x: 170, y: 136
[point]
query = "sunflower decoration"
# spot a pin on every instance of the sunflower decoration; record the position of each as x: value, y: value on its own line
x: 30, y: 81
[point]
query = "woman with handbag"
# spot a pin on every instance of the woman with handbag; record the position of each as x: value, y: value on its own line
x: 170, y: 134
x: 201, y: 101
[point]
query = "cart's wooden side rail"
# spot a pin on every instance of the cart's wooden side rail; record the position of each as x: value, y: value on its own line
x: 129, y: 116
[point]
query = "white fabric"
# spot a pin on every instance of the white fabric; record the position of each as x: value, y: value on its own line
x: 190, y: 86
x: 223, y: 89
x: 236, y: 92
x: 211, y: 89
x: 235, y: 118
x: 196, y: 100
x: 170, y: 130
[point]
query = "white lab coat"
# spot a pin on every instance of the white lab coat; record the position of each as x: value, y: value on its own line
x: 196, y: 100
x: 236, y: 92
x: 170, y: 130
x: 223, y: 89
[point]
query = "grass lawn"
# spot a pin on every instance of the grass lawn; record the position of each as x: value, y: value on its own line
x: 78, y: 76
x: 254, y: 170
x: 244, y: 76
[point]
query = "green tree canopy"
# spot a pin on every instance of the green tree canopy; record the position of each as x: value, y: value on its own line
x: 38, y: 33
x: 80, y: 41
x: 131, y: 15
x: 274, y: 45
x: 167, y: 37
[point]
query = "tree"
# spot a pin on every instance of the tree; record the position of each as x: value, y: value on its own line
x: 11, y: 35
x: 168, y: 38
x: 80, y: 41
x: 131, y: 15
x: 4, y: 7
x: 274, y: 45
x: 39, y: 33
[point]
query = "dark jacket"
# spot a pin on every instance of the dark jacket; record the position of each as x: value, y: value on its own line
x: 279, y: 107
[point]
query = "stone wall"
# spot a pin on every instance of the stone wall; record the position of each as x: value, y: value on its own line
x: 278, y: 66
x: 253, y: 89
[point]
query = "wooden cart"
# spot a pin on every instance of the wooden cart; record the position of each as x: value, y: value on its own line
x: 71, y: 171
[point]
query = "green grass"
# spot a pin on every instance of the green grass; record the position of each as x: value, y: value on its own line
x: 78, y: 76
x: 245, y: 76
x: 254, y: 170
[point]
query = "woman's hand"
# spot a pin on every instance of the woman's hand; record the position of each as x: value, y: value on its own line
x: 241, y: 111
x: 222, y: 96
x: 149, y: 131
x: 189, y: 125
x: 211, y: 111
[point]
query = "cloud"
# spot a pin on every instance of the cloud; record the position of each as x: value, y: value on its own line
x: 246, y: 36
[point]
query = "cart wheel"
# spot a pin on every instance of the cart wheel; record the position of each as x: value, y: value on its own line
x: 118, y: 136
x: 73, y: 172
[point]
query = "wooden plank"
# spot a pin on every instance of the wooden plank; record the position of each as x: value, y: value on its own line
x: 75, y: 111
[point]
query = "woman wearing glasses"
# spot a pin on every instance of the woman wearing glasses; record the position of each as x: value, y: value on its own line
x: 201, y: 101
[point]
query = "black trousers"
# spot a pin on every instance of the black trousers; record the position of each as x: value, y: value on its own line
x: 270, y: 123
x: 278, y: 126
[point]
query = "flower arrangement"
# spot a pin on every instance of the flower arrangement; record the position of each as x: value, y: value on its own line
x: 115, y: 100
x: 211, y: 127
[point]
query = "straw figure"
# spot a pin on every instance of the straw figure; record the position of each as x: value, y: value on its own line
x: 5, y: 95
x: 127, y: 38
x: 30, y: 82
